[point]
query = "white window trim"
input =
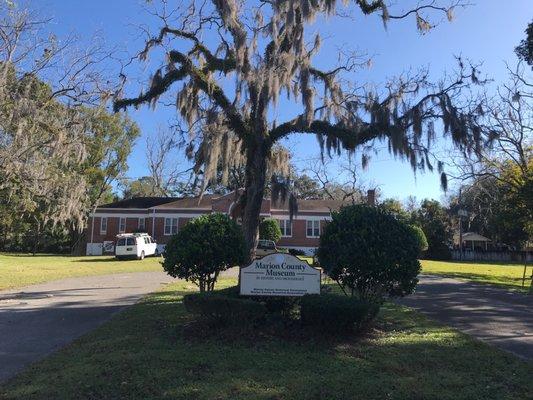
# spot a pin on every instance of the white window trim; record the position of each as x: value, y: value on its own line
x: 120, y: 224
x: 313, y: 221
x: 170, y: 225
x: 284, y: 229
x: 103, y: 231
x: 143, y: 224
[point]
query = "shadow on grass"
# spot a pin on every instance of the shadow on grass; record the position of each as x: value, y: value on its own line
x: 142, y: 353
x: 501, y: 281
x: 34, y: 295
x: 110, y: 258
x: 37, y: 255
x: 495, y: 263
x: 97, y: 259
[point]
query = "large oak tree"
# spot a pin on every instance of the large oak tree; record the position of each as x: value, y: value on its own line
x: 228, y: 62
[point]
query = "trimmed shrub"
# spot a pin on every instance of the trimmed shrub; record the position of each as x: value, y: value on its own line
x: 230, y: 291
x: 421, y: 239
x: 336, y: 313
x: 224, y: 309
x: 370, y: 253
x: 203, y: 248
x: 269, y: 230
x: 434, y: 220
x: 284, y: 306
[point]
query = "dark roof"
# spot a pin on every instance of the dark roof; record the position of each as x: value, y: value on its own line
x: 140, y: 202
x: 206, y: 203
x: 191, y: 202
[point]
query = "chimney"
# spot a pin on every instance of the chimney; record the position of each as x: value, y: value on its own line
x: 371, y: 197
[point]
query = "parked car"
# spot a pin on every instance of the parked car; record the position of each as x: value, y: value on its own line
x: 135, y: 245
x: 265, y: 247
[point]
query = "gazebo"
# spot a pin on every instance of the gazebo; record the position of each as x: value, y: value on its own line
x: 471, y: 240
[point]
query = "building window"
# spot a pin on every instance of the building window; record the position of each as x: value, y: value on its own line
x: 286, y: 227
x: 142, y: 224
x: 171, y: 226
x: 122, y: 225
x: 103, y: 225
x: 313, y: 228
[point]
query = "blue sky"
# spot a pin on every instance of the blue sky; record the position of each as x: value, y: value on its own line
x: 484, y: 32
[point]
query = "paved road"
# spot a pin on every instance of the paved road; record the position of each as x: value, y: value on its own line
x: 494, y: 315
x: 38, y: 319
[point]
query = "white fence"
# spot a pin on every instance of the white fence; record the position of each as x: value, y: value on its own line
x: 94, y: 249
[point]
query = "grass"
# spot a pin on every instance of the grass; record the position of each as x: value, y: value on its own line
x: 17, y: 270
x: 143, y: 354
x: 502, y: 274
x: 308, y: 259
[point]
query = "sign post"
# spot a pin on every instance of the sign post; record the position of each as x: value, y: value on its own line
x: 279, y: 274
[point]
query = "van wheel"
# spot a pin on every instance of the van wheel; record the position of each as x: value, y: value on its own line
x: 141, y: 257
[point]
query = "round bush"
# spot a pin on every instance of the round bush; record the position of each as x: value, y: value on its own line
x: 421, y: 238
x: 370, y: 253
x: 269, y: 230
x: 203, y: 248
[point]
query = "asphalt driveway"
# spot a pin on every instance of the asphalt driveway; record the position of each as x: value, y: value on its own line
x: 39, y: 319
x: 497, y: 316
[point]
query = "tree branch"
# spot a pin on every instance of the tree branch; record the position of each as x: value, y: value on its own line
x: 349, y: 137
x: 209, y: 87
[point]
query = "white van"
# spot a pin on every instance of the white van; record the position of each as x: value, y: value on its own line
x: 135, y: 245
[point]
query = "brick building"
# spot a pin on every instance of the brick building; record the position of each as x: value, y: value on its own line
x: 163, y: 217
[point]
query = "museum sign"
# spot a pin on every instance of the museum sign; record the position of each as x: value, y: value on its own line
x: 279, y: 274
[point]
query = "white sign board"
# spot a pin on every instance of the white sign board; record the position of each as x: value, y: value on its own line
x: 94, y: 249
x: 109, y: 247
x: 279, y: 274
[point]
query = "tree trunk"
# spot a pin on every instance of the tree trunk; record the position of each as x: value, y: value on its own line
x: 256, y: 165
x: 37, y: 238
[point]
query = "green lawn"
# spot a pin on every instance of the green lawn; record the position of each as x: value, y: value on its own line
x: 507, y: 275
x: 18, y: 270
x: 143, y: 354
x: 306, y: 258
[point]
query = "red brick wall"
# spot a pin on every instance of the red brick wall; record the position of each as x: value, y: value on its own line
x: 298, y: 230
x: 159, y: 233
x: 298, y: 239
x: 112, y: 230
x: 132, y: 224
x: 182, y: 222
x: 299, y: 235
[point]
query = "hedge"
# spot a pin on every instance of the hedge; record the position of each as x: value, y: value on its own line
x: 336, y: 313
x: 223, y: 308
